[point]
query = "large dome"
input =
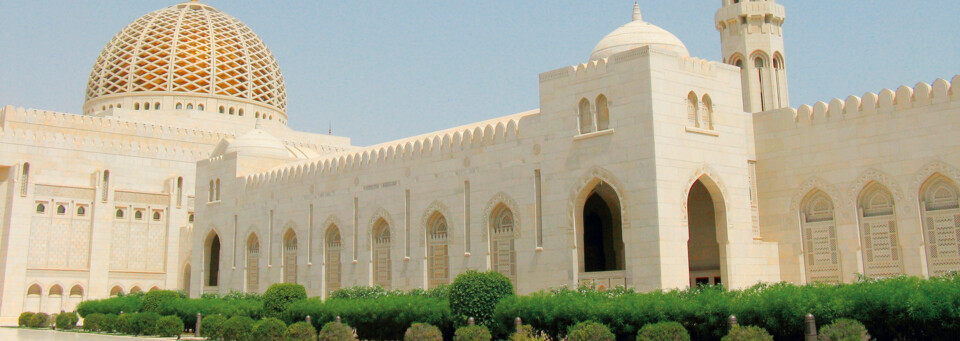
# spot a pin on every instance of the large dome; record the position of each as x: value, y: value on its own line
x: 634, y: 34
x: 193, y: 51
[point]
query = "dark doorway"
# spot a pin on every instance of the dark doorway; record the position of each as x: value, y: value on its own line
x: 214, y: 266
x: 602, y: 235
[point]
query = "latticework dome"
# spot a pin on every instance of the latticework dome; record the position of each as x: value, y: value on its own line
x: 192, y: 50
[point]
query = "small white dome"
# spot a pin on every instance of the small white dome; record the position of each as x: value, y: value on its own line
x: 637, y: 33
x: 259, y: 143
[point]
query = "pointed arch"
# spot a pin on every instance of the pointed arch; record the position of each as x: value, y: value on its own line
x: 253, y: 263
x: 186, y: 278
x: 603, y: 113
x: 599, y: 226
x: 333, y: 245
x: 211, y: 253
x: 31, y: 301
x: 940, y: 210
x: 879, y: 235
x: 736, y: 59
x: 381, y: 240
x: 290, y: 256
x: 706, y: 115
x: 503, y: 253
x: 117, y: 290
x: 585, y: 116
x: 819, y: 238
x: 135, y: 290
x: 693, y: 110
x: 493, y: 204
x: 438, y: 250
x: 778, y: 62
x: 76, y: 290
x: 76, y: 296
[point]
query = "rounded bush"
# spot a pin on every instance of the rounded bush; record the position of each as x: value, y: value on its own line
x: 238, y: 328
x: 590, y: 331
x: 109, y: 324
x: 476, y: 294
x: 472, y: 333
x: 168, y: 326
x: 844, y: 330
x: 279, y: 296
x: 66, y: 321
x: 747, y: 333
x: 39, y: 320
x: 24, y: 319
x: 153, y: 299
x: 422, y: 332
x: 333, y: 331
x: 270, y: 329
x: 145, y: 323
x: 301, y: 331
x: 663, y: 331
x: 125, y: 323
x: 93, y: 322
x: 212, y: 326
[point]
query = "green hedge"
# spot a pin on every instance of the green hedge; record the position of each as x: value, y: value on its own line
x: 126, y: 303
x: 279, y: 296
x: 896, y: 308
x: 383, y: 318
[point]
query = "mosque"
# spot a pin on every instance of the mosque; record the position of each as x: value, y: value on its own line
x: 643, y: 167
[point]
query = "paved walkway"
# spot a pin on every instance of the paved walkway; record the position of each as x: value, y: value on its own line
x: 16, y: 334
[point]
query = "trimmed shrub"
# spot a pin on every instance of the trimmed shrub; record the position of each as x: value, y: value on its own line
x: 24, y: 319
x: 301, y: 331
x: 186, y: 309
x: 384, y: 318
x: 143, y: 323
x: 238, y: 328
x: 747, y: 333
x: 212, y: 326
x: 109, y: 324
x: 333, y: 331
x: 270, y: 329
x: 39, y: 320
x: 422, y: 332
x: 66, y: 321
x: 663, y: 331
x: 279, y: 296
x: 476, y: 294
x: 590, y: 331
x: 153, y: 299
x: 472, y: 333
x: 168, y: 326
x: 127, y: 303
x: 844, y: 330
x: 93, y: 322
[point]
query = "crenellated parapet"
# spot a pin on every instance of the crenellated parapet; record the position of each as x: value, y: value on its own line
x: 468, y: 137
x: 887, y: 101
x: 602, y: 66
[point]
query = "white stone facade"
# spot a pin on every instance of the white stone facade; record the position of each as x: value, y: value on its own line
x: 643, y: 167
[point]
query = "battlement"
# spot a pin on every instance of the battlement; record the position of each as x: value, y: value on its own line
x: 601, y: 66
x: 467, y: 137
x: 887, y: 101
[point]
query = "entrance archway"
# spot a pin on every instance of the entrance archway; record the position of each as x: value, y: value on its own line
x: 212, y: 259
x: 602, y: 231
x: 705, y: 218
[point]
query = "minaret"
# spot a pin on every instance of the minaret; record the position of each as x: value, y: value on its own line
x: 751, y: 36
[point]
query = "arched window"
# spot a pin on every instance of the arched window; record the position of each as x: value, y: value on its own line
x: 179, y: 191
x: 382, y: 270
x: 253, y: 263
x: 878, y: 232
x: 220, y: 110
x: 32, y: 301
x: 240, y: 112
x: 156, y: 106
x: 178, y: 106
x: 256, y: 115
x: 586, y: 117
x: 138, y: 215
x: 119, y: 213
x: 332, y: 257
x: 136, y: 106
x: 41, y: 208
x: 290, y: 257
x: 231, y: 111
x: 61, y: 210
x: 81, y: 211
x: 819, y: 232
x: 603, y: 113
x: 502, y: 242
x: 156, y: 216
x: 116, y: 291
x: 56, y: 290
x: 189, y: 106
x: 76, y: 291
x: 111, y: 106
x: 34, y: 290
x: 693, y: 110
x: 153, y: 288
x: 135, y: 290
x: 106, y: 185
x: 213, y: 259
x: 146, y: 105
x: 190, y: 218
x: 210, y: 195
x: 940, y: 206
x: 438, y: 255
x: 706, y: 117
x: 758, y: 62
x: 24, y: 179
x: 200, y: 107
x: 218, y: 190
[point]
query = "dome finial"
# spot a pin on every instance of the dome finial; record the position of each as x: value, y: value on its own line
x: 636, y: 12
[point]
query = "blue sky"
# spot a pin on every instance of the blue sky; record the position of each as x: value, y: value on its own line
x: 382, y: 70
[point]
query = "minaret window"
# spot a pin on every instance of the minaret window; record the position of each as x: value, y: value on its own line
x: 41, y: 208
x: 189, y: 106
x: 586, y: 117
x: 179, y: 106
